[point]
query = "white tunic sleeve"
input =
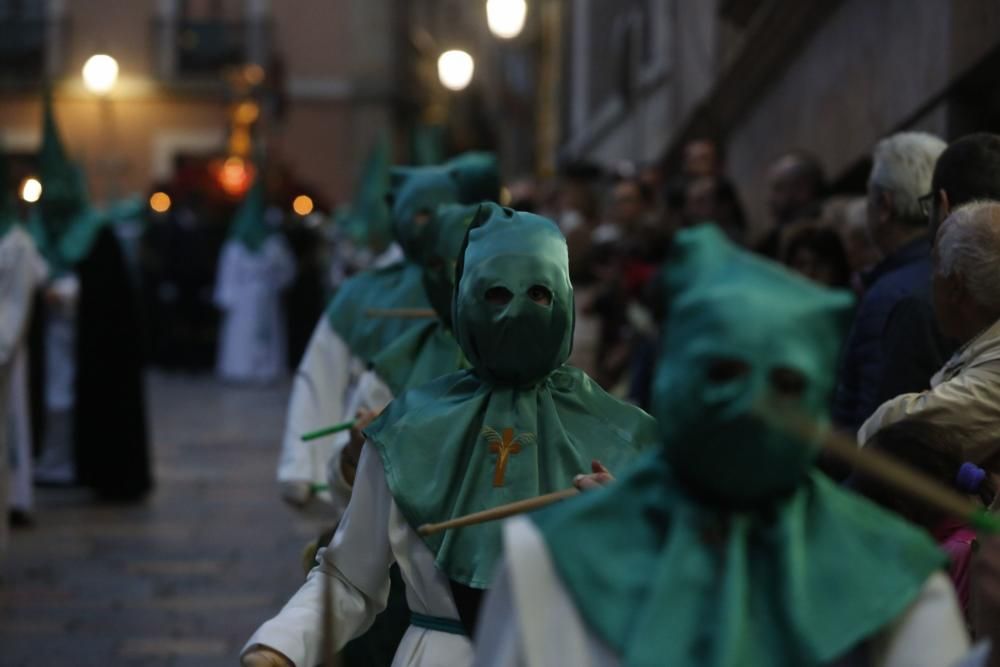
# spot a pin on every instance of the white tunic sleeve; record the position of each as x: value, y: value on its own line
x: 21, y: 271
x: 355, y: 567
x: 227, y: 276
x: 929, y: 633
x: 370, y: 394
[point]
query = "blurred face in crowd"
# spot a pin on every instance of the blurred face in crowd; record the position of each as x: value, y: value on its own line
x: 627, y: 203
x: 700, y: 202
x: 810, y: 264
x: 790, y: 189
x: 947, y: 296
x: 701, y: 158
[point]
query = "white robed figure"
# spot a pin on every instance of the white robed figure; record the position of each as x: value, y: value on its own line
x: 22, y: 270
x: 255, y: 267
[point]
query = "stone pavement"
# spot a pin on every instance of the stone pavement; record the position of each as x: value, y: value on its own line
x: 182, y: 579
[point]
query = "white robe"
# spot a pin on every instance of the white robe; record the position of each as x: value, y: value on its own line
x: 22, y: 496
x: 323, y: 395
x: 56, y: 462
x: 529, y: 619
x: 248, y: 289
x: 21, y: 271
x: 372, y: 535
x: 324, y: 381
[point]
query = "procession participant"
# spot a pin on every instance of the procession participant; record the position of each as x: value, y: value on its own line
x: 255, y: 267
x: 94, y: 392
x: 420, y: 355
x: 518, y: 424
x: 346, y: 338
x: 22, y: 270
x: 727, y: 546
x: 424, y: 352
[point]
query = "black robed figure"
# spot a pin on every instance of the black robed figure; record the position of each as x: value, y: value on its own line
x: 109, y: 444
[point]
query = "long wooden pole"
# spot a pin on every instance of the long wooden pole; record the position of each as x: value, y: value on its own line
x: 900, y: 477
x: 500, y: 512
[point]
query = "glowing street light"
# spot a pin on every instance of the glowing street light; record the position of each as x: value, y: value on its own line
x: 100, y: 73
x: 506, y: 17
x: 159, y: 202
x: 455, y: 69
x: 31, y: 190
x: 303, y: 205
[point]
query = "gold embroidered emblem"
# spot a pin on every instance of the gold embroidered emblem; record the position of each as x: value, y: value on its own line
x: 503, y: 445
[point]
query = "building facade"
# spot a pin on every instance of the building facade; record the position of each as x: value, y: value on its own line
x: 766, y: 76
x: 328, y: 88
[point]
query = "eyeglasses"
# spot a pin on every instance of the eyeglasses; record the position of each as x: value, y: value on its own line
x: 926, y: 204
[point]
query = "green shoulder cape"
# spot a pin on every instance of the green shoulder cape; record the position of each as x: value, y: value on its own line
x: 666, y: 580
x: 458, y: 445
x: 398, y: 285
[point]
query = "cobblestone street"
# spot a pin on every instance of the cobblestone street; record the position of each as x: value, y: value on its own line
x: 182, y: 579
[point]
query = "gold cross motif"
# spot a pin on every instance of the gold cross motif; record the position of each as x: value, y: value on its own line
x: 503, y: 446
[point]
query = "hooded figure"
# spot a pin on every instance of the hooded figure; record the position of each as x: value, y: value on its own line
x: 255, y: 268
x: 518, y: 424
x: 726, y: 547
x: 22, y: 270
x: 346, y: 339
x: 93, y: 352
x: 423, y: 353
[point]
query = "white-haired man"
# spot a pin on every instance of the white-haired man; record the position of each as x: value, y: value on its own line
x: 965, y: 393
x: 903, y: 165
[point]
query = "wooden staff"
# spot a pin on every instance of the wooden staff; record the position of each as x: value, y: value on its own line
x: 402, y: 313
x: 329, y: 430
x: 887, y: 470
x: 500, y: 512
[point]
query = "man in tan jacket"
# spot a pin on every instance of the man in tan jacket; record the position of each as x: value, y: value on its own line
x: 965, y: 393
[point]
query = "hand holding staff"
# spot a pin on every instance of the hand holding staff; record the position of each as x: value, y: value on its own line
x: 329, y: 430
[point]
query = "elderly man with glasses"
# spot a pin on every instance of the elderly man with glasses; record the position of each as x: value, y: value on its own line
x: 903, y: 165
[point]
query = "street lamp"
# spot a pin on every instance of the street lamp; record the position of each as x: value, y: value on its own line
x: 455, y: 69
x: 100, y: 73
x: 31, y: 190
x: 506, y: 17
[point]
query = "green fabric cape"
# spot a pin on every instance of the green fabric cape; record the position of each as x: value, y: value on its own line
x: 727, y: 548
x: 63, y: 224
x: 672, y: 581
x: 368, y: 220
x: 395, y: 286
x: 479, y: 438
x: 399, y: 285
x: 430, y: 350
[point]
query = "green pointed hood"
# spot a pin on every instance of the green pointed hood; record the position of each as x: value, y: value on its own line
x: 430, y: 350
x: 249, y: 226
x: 521, y: 423
x: 477, y: 175
x: 64, y: 224
x: 416, y: 192
x: 369, y: 220
x: 727, y: 548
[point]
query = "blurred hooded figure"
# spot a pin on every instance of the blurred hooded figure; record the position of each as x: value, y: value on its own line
x: 94, y: 392
x: 255, y: 268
